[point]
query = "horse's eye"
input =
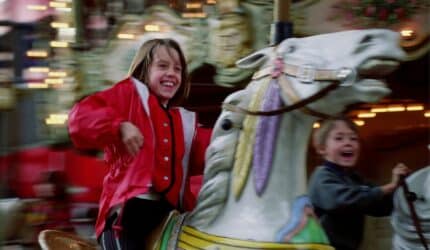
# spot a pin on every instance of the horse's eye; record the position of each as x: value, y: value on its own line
x: 226, y: 124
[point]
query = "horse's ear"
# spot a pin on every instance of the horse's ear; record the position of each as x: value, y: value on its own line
x: 255, y: 59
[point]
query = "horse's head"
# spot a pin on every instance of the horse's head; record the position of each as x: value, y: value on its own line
x: 358, y: 59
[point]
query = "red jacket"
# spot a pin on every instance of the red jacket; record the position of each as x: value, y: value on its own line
x: 94, y: 123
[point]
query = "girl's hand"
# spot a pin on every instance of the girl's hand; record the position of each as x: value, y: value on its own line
x: 131, y: 137
x: 400, y: 171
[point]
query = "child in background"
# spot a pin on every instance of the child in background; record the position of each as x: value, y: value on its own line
x: 151, y: 145
x: 341, y: 198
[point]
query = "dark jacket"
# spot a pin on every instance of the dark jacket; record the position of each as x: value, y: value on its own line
x: 341, y: 199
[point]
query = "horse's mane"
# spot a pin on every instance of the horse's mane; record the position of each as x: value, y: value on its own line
x: 219, y: 163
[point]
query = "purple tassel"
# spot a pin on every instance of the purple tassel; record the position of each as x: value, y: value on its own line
x: 265, y: 139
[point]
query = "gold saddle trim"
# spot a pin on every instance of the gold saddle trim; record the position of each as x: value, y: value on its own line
x: 192, y: 239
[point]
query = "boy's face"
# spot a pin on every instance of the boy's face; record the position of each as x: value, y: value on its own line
x: 165, y: 74
x: 342, y: 145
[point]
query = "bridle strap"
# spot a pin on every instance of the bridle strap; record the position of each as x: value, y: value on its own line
x: 299, y: 104
x: 414, y: 215
x: 289, y: 90
x: 304, y: 73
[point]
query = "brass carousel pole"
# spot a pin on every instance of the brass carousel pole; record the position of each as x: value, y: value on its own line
x: 281, y: 28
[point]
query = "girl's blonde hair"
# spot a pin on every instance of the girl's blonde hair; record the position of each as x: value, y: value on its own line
x: 139, y: 67
x: 320, y: 135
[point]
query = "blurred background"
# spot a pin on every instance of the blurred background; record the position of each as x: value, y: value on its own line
x: 53, y: 53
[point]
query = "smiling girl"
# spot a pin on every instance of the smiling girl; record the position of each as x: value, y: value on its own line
x: 151, y: 145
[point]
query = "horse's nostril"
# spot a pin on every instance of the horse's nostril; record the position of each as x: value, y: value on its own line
x: 366, y: 39
x: 226, y: 124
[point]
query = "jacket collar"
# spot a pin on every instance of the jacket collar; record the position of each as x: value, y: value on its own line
x: 339, y: 170
x: 143, y: 92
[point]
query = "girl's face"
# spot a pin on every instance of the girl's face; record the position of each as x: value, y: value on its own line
x: 342, y: 145
x: 165, y: 74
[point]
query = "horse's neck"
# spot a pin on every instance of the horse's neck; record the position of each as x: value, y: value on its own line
x: 289, y: 166
x: 286, y: 178
x: 271, y: 209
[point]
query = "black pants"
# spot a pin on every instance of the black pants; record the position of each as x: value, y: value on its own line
x: 139, y: 218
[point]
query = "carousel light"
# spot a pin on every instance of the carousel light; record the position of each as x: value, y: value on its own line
x: 66, y: 34
x: 56, y: 119
x: 38, y: 69
x: 152, y: 28
x: 396, y: 108
x: 57, y: 74
x: 366, y: 115
x: 67, y: 9
x: 54, y: 4
x: 125, y: 36
x: 193, y: 5
x: 211, y: 2
x: 37, y: 85
x: 37, y: 53
x: 359, y: 122
x: 39, y: 7
x: 378, y: 110
x: 59, y: 25
x: 316, y: 125
x: 414, y: 107
x: 59, y: 44
x: 55, y: 81
x: 194, y: 15
x: 427, y: 114
x: 407, y: 33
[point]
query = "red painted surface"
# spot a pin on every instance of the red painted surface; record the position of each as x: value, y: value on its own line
x: 22, y: 169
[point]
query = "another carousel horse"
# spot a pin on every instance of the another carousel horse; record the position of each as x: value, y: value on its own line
x: 411, y: 219
x: 255, y: 177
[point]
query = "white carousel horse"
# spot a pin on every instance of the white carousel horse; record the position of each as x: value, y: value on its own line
x: 254, y: 180
x: 406, y: 235
x: 255, y: 166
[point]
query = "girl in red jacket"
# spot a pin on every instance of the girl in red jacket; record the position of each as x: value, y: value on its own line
x: 151, y: 145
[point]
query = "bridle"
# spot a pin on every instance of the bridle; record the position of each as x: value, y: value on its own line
x: 304, y: 73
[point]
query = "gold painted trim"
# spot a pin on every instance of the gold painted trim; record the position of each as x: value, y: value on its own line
x: 192, y: 239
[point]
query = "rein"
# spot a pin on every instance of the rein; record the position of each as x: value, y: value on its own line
x: 282, y: 110
x: 410, y: 198
x: 306, y: 74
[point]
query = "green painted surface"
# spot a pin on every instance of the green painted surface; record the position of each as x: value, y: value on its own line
x: 311, y: 233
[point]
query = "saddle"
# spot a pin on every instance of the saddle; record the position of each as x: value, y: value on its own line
x: 154, y: 239
x: 58, y: 240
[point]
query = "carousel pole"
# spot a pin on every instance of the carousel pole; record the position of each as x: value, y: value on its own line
x: 281, y: 28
